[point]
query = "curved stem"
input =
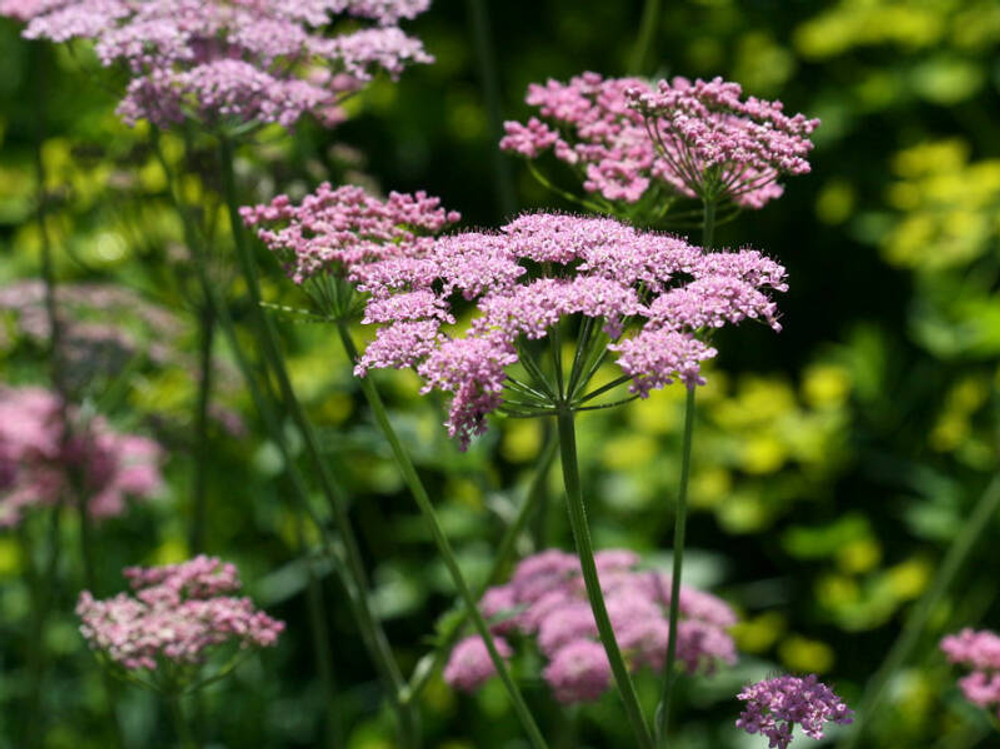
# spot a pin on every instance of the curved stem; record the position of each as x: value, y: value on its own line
x: 423, y: 500
x: 201, y: 426
x: 963, y: 544
x: 581, y: 534
x: 369, y: 627
x: 505, y: 551
x: 680, y: 524
x: 332, y: 491
x: 647, y: 32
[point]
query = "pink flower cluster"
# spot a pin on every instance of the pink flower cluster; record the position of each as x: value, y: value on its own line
x: 234, y: 61
x: 333, y: 231
x: 721, y: 146
x: 627, y: 140
x: 545, y: 601
x: 980, y: 652
x: 36, y: 459
x: 775, y: 706
x: 539, y: 269
x: 178, y: 613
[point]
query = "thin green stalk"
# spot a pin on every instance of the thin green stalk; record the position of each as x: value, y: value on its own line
x: 680, y: 527
x: 332, y: 491
x: 486, y: 57
x: 647, y: 33
x: 985, y: 510
x: 585, y: 550
x: 201, y: 426
x: 423, y: 500
x: 41, y: 588
x: 184, y: 736
x: 680, y: 524
x: 530, y: 507
x: 320, y: 631
x: 351, y: 570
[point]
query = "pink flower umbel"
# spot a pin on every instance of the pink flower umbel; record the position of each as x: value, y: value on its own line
x: 722, y: 147
x: 775, y: 706
x: 651, y: 298
x: 179, y: 614
x: 979, y: 652
x: 226, y: 62
x: 545, y: 600
x: 630, y: 143
x: 337, y: 231
x: 36, y: 462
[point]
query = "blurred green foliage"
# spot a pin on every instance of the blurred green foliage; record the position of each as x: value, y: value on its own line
x: 833, y: 464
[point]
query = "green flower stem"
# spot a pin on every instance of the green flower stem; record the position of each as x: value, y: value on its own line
x: 962, y: 545
x: 680, y: 527
x: 333, y: 725
x: 181, y: 727
x: 486, y: 57
x: 647, y: 33
x: 41, y: 587
x: 581, y: 534
x: 78, y: 492
x: 356, y: 586
x: 423, y: 500
x: 531, y: 506
x: 201, y: 427
x: 332, y: 491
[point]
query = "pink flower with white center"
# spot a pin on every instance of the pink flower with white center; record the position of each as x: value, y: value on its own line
x: 37, y: 459
x: 230, y: 62
x: 545, y: 600
x: 179, y: 614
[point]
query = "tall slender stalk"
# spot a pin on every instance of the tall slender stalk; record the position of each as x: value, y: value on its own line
x: 57, y: 370
x: 181, y: 727
x: 490, y: 79
x: 585, y: 550
x: 423, y: 500
x: 351, y: 568
x: 647, y: 33
x: 680, y: 529
x: 333, y: 724
x: 961, y: 546
x: 206, y: 321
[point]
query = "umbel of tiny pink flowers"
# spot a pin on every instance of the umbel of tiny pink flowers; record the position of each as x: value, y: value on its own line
x: 163, y: 634
x: 38, y: 458
x: 980, y: 653
x: 228, y: 62
x: 634, y: 147
x: 651, y: 299
x: 775, y: 706
x: 325, y: 240
x: 545, y: 603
